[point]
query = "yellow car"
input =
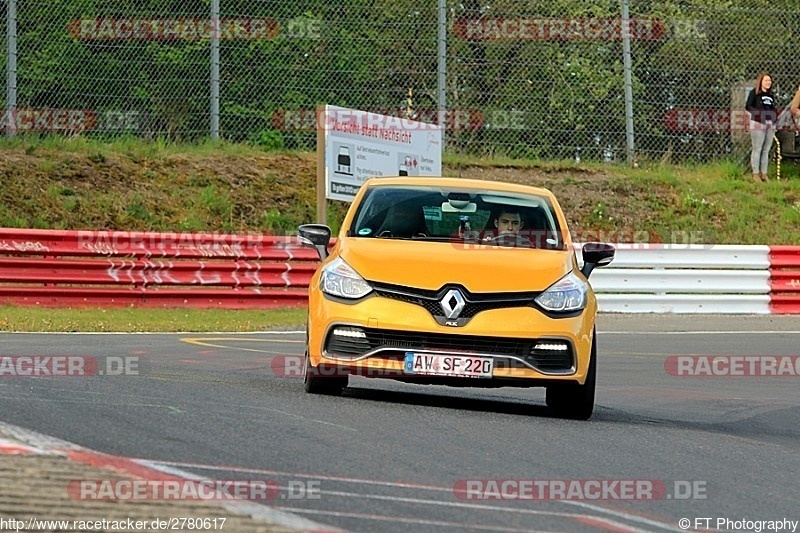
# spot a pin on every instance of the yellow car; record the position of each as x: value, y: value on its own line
x: 454, y: 282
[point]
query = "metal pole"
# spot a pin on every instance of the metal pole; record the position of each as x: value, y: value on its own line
x: 322, y: 170
x: 215, y: 69
x: 11, y: 67
x: 626, y: 58
x: 442, y: 66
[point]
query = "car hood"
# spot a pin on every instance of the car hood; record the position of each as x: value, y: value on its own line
x: 431, y: 265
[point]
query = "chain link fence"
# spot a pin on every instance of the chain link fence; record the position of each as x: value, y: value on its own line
x: 521, y: 78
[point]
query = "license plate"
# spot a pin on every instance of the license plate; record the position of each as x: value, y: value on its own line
x: 448, y: 365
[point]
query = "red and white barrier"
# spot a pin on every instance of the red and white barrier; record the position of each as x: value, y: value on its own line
x: 784, y: 279
x: 101, y: 268
x: 718, y: 279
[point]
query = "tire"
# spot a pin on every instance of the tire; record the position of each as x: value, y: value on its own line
x: 322, y: 384
x: 574, y: 401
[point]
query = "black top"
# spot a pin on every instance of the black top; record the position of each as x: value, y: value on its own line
x: 761, y: 106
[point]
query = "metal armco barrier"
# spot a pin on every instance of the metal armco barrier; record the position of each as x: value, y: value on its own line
x: 697, y: 278
x: 785, y: 279
x: 113, y: 268
x: 82, y: 268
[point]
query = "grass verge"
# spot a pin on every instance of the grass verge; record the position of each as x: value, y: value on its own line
x: 129, y: 184
x: 132, y: 320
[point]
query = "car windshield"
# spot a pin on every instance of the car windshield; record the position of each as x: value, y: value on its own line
x: 460, y: 215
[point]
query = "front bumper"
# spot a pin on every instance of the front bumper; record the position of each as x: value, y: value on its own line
x: 392, y: 328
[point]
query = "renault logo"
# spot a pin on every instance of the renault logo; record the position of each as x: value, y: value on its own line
x: 452, y: 303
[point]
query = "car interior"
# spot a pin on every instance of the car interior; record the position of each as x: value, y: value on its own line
x: 404, y: 220
x: 409, y: 214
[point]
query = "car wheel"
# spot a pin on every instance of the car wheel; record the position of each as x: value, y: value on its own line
x: 575, y: 401
x: 320, y: 382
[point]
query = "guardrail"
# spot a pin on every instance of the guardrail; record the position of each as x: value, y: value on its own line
x: 720, y: 279
x: 654, y: 278
x: 71, y: 268
x: 785, y: 279
x: 66, y: 268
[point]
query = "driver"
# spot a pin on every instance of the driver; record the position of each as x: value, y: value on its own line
x: 508, y: 222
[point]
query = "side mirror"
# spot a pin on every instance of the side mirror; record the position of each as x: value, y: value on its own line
x: 596, y: 254
x: 316, y: 236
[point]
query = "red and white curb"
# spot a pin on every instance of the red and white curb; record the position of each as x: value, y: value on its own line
x: 10, y: 447
x: 15, y: 440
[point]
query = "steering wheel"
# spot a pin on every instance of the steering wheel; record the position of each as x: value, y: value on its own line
x: 512, y: 240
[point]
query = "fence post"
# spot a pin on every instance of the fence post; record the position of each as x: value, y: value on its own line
x: 11, y: 67
x: 215, y: 69
x: 626, y: 59
x: 442, y: 68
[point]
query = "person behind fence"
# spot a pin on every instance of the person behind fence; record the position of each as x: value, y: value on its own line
x: 794, y: 106
x: 761, y: 106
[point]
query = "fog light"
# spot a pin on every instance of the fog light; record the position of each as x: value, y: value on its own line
x: 352, y: 333
x: 551, y: 346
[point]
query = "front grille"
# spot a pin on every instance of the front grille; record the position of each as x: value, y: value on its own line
x: 405, y: 340
x: 383, y: 341
x: 474, y: 303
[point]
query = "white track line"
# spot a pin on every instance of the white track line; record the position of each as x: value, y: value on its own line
x: 432, y: 488
x: 400, y: 519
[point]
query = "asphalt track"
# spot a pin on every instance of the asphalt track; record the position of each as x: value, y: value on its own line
x: 387, y: 456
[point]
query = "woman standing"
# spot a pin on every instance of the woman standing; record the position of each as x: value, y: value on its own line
x: 761, y: 106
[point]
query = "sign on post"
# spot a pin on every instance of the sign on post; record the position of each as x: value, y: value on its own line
x: 359, y: 145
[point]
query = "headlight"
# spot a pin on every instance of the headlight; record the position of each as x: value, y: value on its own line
x: 568, y: 294
x: 339, y: 279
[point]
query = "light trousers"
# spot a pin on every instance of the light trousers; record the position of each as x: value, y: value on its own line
x: 761, y: 137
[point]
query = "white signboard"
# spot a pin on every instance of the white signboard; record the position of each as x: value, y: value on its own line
x: 361, y: 145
